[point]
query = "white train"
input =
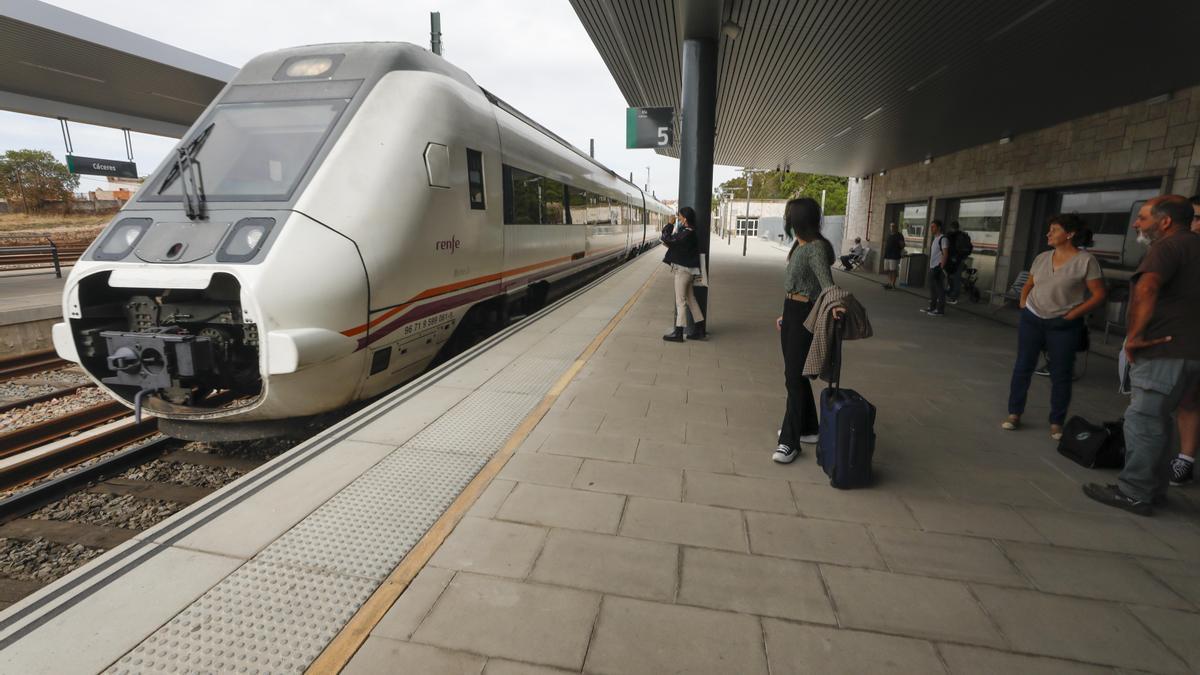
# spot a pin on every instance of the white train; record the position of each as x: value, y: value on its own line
x: 336, y: 216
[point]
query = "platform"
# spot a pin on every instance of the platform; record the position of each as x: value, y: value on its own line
x: 30, y: 303
x: 639, y: 525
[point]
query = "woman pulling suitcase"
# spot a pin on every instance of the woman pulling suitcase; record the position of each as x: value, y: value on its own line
x: 808, y: 273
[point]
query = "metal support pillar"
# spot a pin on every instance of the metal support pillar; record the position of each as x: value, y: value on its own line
x: 698, y: 111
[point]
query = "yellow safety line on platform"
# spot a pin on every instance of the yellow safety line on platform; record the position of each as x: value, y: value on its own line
x: 343, y: 647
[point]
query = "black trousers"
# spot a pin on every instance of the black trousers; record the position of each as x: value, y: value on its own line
x: 937, y: 289
x: 800, y: 418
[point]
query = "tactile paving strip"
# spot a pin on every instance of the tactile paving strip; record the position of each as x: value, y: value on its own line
x: 277, y: 612
x: 479, y: 424
x: 366, y: 528
x: 562, y: 346
x: 263, y: 618
x: 532, y: 375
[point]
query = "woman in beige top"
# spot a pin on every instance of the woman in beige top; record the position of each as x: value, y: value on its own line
x: 1064, y: 285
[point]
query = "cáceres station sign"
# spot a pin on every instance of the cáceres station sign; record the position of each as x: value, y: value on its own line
x: 93, y: 166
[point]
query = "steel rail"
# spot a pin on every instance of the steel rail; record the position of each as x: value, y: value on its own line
x: 39, y: 434
x: 37, y: 465
x: 42, y: 398
x: 26, y: 364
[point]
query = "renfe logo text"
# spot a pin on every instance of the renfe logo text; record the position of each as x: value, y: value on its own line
x: 451, y: 245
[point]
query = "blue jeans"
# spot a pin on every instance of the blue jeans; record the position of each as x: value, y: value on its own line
x: 1059, y: 338
x: 1158, y: 387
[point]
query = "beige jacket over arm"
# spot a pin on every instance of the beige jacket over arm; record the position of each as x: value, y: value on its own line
x: 820, y: 323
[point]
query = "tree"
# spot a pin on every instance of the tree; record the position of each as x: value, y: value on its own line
x: 31, y: 178
x: 788, y: 185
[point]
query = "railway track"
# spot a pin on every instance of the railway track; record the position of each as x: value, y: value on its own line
x: 27, y: 364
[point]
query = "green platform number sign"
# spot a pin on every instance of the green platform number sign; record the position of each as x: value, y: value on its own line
x: 649, y: 127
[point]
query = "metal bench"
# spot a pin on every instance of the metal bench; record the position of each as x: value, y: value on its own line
x: 32, y: 255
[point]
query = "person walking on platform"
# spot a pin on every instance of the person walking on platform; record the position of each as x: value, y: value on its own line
x: 808, y: 273
x: 938, y: 259
x: 893, y: 251
x: 959, y: 247
x: 1064, y: 285
x: 683, y: 255
x: 1188, y: 417
x: 1162, y: 345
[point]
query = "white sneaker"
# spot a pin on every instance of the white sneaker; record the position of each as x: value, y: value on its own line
x: 811, y: 439
x: 785, y: 455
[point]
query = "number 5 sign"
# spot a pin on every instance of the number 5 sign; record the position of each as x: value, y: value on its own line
x: 649, y: 127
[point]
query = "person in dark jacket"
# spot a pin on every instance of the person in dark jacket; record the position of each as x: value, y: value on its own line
x: 893, y: 251
x: 683, y: 255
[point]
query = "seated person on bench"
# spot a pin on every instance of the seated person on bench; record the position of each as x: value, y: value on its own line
x: 856, y: 256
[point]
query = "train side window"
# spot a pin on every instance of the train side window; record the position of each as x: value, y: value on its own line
x: 475, y: 179
x: 553, y: 202
x: 526, y: 197
x: 577, y: 213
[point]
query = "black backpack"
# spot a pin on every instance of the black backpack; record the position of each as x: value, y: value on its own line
x: 1095, y: 446
x: 962, y: 245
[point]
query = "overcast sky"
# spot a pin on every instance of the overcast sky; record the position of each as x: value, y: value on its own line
x: 535, y: 54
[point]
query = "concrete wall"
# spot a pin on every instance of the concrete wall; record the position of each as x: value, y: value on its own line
x: 1137, y: 141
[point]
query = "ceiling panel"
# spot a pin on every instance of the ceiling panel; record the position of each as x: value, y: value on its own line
x: 850, y: 87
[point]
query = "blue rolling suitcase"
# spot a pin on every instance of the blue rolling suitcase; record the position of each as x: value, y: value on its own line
x: 846, y: 440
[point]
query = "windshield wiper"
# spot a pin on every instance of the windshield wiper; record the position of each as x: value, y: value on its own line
x: 187, y: 166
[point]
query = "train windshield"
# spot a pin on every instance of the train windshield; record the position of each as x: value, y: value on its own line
x: 256, y: 151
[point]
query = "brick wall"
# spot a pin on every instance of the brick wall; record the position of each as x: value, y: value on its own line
x: 1136, y: 141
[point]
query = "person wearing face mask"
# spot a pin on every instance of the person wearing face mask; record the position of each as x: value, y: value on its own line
x: 1064, y: 285
x: 1162, y: 345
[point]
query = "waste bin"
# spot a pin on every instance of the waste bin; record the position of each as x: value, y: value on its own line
x: 913, y: 268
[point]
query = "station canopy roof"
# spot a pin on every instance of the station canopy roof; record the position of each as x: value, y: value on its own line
x: 852, y: 87
x: 57, y: 63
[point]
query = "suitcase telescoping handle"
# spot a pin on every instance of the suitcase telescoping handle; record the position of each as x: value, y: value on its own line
x: 836, y: 381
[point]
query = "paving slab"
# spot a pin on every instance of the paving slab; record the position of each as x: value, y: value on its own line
x: 1098, y: 632
x: 380, y: 655
x: 964, y: 660
x: 630, y: 479
x: 788, y: 589
x: 541, y: 468
x: 514, y: 620
x: 909, y: 605
x: 615, y: 446
x: 684, y: 456
x: 1092, y: 575
x: 616, y: 565
x: 799, y: 648
x: 979, y: 520
x: 561, y: 507
x: 406, y: 614
x: 1179, y: 630
x: 946, y: 556
x: 1113, y: 533
x: 635, y: 637
x: 690, y: 524
x: 491, y: 547
x: 860, y: 506
x: 738, y: 492
x: 811, y: 539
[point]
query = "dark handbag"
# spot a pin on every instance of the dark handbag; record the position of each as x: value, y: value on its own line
x: 1094, y: 446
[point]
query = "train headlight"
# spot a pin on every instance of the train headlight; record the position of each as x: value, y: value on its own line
x: 309, y: 67
x: 122, y: 238
x: 245, y: 239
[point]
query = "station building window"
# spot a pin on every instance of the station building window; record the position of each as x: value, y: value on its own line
x: 1108, y: 209
x: 747, y: 226
x: 981, y: 218
x: 912, y: 218
x: 475, y: 179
